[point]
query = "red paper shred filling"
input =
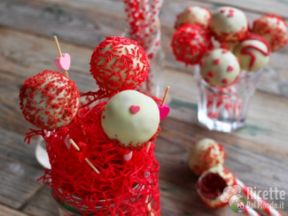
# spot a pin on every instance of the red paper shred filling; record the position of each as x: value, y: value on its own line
x: 121, y: 188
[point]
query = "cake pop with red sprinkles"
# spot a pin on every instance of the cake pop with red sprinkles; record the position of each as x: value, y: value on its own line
x: 190, y: 42
x: 49, y: 100
x: 273, y: 28
x: 119, y: 63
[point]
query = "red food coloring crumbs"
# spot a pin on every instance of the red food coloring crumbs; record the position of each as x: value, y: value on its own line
x: 212, y: 185
x: 134, y: 109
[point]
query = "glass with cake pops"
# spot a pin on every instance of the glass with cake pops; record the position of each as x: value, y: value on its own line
x: 228, y: 81
x: 100, y: 143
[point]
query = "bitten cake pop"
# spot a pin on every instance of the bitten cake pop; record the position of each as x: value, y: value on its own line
x: 229, y: 24
x: 273, y: 28
x: 253, y: 53
x: 131, y: 117
x: 119, y: 63
x: 205, y: 154
x: 193, y: 15
x: 211, y: 186
x: 220, y: 68
x: 49, y: 100
x: 190, y: 42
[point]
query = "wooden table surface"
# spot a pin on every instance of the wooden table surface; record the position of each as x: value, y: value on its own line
x: 258, y: 153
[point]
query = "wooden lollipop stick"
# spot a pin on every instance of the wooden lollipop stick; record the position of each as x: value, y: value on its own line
x: 164, y: 99
x: 76, y: 147
x: 59, y: 51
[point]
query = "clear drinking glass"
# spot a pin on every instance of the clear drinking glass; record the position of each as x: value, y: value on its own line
x: 226, y: 109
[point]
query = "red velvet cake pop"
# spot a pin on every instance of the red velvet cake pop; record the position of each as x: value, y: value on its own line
x: 119, y: 63
x: 211, y: 186
x: 190, y: 42
x: 49, y: 100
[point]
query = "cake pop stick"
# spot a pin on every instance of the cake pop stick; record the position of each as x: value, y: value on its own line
x: 265, y: 207
x: 164, y: 99
x: 62, y: 61
x: 77, y: 148
x: 163, y: 110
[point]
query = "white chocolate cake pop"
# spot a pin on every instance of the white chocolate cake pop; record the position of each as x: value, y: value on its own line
x: 205, y: 154
x: 220, y: 68
x: 273, y: 28
x: 49, y: 100
x: 193, y: 15
x: 229, y: 24
x: 252, y: 53
x: 131, y: 118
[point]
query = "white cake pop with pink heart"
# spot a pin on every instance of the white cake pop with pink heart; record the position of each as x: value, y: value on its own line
x: 131, y: 118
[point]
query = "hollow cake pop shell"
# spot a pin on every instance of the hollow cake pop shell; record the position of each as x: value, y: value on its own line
x: 190, y: 42
x: 211, y: 186
x: 220, y: 68
x: 229, y: 24
x: 49, y: 100
x: 205, y: 154
x: 119, y: 63
x: 273, y: 28
x: 252, y: 53
x: 193, y: 15
x: 131, y: 117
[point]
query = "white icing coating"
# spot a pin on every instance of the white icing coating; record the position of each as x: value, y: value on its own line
x: 228, y: 21
x: 252, y: 54
x: 220, y: 68
x: 193, y: 15
x: 131, y: 117
x: 205, y: 154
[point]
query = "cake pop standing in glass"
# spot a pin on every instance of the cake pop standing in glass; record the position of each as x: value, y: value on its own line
x: 102, y: 150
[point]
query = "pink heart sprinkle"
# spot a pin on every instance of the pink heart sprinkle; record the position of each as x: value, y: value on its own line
x: 134, y: 109
x: 63, y: 62
x: 230, y: 68
x: 164, y: 111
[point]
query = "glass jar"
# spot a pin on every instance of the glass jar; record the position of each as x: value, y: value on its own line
x: 225, y: 109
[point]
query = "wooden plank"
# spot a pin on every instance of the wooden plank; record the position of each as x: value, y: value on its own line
x: 18, y: 182
x: 5, y: 211
x: 42, y: 204
x: 249, y: 164
x: 12, y: 147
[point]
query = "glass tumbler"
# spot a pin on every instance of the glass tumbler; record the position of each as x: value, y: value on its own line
x: 225, y: 109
